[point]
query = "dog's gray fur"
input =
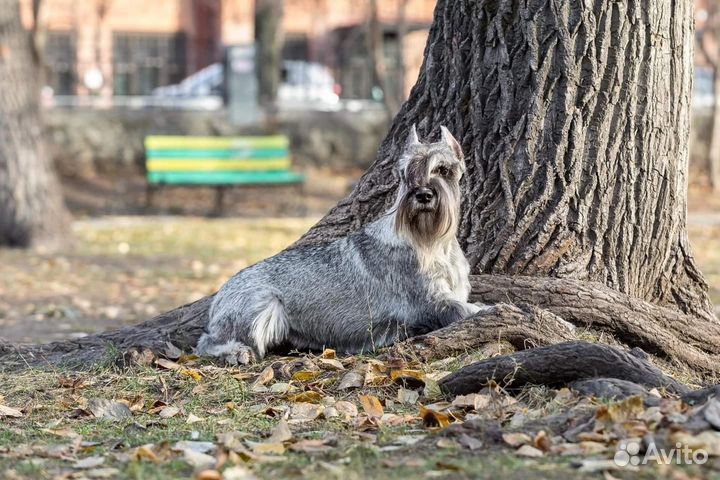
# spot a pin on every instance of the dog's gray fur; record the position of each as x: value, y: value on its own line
x: 399, y: 276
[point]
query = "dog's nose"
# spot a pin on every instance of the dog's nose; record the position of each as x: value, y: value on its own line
x: 424, y: 195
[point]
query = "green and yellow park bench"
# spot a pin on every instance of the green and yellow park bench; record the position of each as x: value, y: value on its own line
x: 219, y: 162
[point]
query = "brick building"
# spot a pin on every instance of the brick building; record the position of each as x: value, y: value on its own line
x: 138, y: 45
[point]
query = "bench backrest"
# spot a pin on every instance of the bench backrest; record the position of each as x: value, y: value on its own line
x: 217, y: 160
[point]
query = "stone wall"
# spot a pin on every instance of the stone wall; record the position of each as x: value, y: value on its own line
x: 87, y: 142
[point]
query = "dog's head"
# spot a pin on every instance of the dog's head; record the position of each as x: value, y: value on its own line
x: 429, y: 198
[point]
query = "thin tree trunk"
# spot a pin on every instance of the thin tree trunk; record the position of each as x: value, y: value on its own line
x: 31, y: 206
x: 376, y: 57
x: 714, y: 154
x: 402, y: 28
x: 269, y: 40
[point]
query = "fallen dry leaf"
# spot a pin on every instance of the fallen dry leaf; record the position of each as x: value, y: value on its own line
x: 192, y: 418
x: 469, y: 442
x: 145, y: 452
x: 592, y: 465
x: 6, y: 411
x: 89, y: 462
x: 309, y: 396
x: 208, y: 475
x: 372, y: 406
x: 168, y: 364
x: 311, y: 446
x: 192, y: 373
x: 432, y: 389
x: 281, y: 433
x: 352, y: 379
x: 265, y: 448
x: 529, y: 451
x: 376, y: 376
x: 407, y: 397
x: 237, y: 473
x: 542, y: 441
x: 346, y: 409
x: 169, y: 412
x: 434, y: 419
x: 106, y: 472
x: 331, y: 364
x: 708, y: 441
x: 281, y: 388
x: 412, y: 379
x: 446, y: 443
x: 109, y: 410
x: 329, y: 353
x: 474, y: 401
x: 306, y: 375
x: 516, y: 439
x: 265, y: 377
x: 199, y: 461
x: 171, y: 351
x: 305, y: 412
x: 201, y: 447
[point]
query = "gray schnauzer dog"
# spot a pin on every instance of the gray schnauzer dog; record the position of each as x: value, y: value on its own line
x: 401, y: 275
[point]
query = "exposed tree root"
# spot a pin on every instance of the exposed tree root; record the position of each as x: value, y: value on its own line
x: 558, y: 365
x: 682, y: 339
x: 182, y: 327
x: 523, y: 328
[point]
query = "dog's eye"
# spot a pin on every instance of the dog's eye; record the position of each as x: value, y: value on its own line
x: 443, y: 171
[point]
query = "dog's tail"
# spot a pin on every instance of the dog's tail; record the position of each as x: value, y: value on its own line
x: 270, y: 326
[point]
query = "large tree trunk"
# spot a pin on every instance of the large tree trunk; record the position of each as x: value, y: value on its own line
x: 574, y: 117
x: 31, y: 205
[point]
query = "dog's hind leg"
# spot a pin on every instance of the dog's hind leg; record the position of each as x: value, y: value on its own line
x: 241, y: 333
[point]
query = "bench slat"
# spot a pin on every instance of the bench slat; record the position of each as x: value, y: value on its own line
x: 225, y: 178
x: 218, y: 165
x: 252, y: 153
x: 163, y: 142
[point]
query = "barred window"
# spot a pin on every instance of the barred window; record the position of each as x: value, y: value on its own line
x: 61, y: 62
x: 143, y: 62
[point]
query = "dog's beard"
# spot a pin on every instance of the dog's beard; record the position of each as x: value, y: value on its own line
x: 423, y: 227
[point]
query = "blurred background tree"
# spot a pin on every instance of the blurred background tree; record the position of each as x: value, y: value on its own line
x: 708, y: 42
x: 31, y: 205
x: 269, y: 43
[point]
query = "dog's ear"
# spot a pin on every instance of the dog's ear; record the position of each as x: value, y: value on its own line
x: 412, y: 139
x: 452, y: 143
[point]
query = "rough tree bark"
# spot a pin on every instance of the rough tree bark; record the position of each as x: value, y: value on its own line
x: 32, y: 211
x: 574, y: 117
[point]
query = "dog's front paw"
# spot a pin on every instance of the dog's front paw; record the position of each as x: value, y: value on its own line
x: 229, y: 353
x: 242, y: 355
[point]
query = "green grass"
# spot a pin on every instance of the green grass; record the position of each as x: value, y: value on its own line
x: 143, y: 265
